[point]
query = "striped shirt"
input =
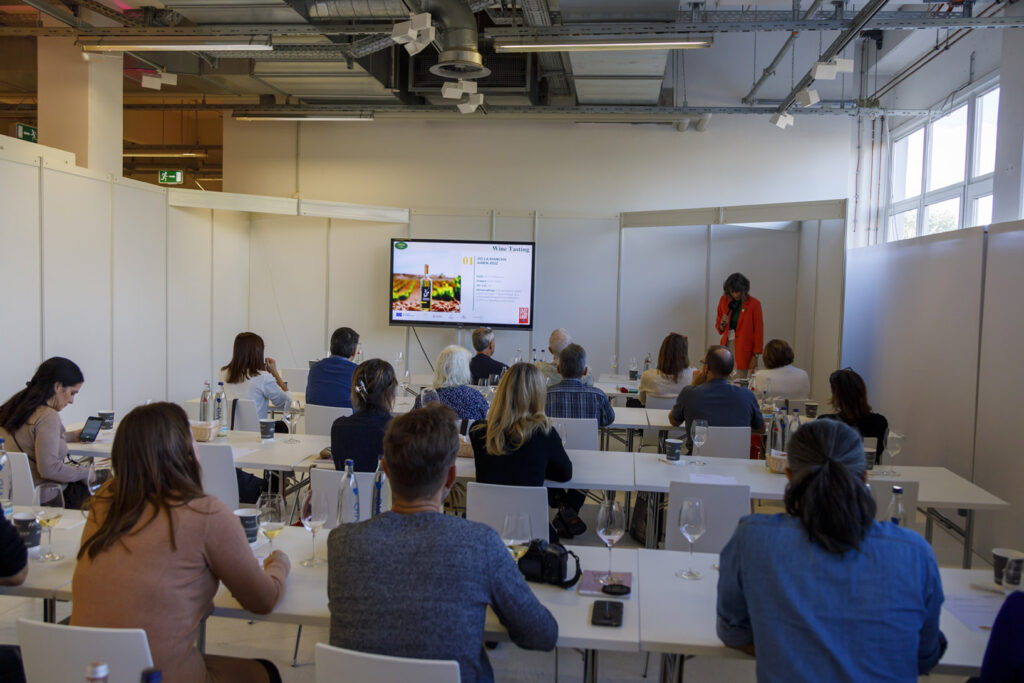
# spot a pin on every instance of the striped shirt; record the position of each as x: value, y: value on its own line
x: 570, y: 398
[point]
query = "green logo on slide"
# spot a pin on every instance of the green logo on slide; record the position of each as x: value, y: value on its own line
x: 400, y: 245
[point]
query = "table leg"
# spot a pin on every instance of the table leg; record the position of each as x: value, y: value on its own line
x: 968, y: 538
x: 629, y: 439
x: 50, y: 610
x: 653, y: 503
x: 672, y: 668
x: 201, y: 640
x: 929, y: 525
x: 590, y: 666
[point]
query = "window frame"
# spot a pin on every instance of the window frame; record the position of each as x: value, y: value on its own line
x: 968, y: 190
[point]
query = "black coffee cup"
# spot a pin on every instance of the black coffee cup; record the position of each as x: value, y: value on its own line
x: 673, y: 449
x: 634, y: 375
x: 811, y: 409
x: 28, y: 528
x: 1000, y: 556
x: 267, y: 429
x: 250, y: 519
x: 108, y: 419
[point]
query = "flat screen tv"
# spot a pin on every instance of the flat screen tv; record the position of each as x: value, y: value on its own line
x: 454, y: 283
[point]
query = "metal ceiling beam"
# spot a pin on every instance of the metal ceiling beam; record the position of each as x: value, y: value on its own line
x: 108, y: 12
x: 196, y: 31
x: 769, y: 70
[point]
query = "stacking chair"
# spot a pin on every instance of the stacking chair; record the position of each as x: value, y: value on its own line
x: 22, y: 485
x: 579, y: 434
x: 724, y: 505
x: 727, y: 442
x: 489, y: 503
x: 217, y: 463
x: 243, y: 416
x: 320, y: 419
x: 53, y: 652
x: 328, y: 482
x: 336, y: 664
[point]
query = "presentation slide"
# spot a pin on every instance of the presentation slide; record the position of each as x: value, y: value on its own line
x: 438, y: 282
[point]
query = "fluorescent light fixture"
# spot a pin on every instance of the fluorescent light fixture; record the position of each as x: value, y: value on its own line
x: 300, y: 117
x: 597, y: 45
x: 162, y: 155
x: 176, y: 44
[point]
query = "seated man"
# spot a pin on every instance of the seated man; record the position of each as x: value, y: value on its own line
x: 712, y: 398
x: 559, y: 340
x: 414, y: 582
x: 483, y: 364
x: 330, y: 380
x: 13, y: 571
x: 572, y: 398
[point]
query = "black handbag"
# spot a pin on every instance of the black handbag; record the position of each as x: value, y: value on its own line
x: 545, y: 562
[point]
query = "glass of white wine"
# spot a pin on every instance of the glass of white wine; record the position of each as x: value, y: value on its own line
x: 611, y: 525
x: 314, y: 516
x: 516, y: 533
x: 692, y: 524
x: 48, y: 507
x: 271, y: 507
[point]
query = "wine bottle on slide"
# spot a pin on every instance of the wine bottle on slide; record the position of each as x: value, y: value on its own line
x: 425, y: 289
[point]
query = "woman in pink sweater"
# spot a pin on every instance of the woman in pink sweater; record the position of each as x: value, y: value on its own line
x: 155, y: 549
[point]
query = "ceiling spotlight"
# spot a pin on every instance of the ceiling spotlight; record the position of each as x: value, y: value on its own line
x: 415, y: 34
x: 151, y: 82
x: 419, y: 45
x: 168, y: 79
x: 824, y: 71
x: 703, y: 122
x: 808, y: 97
x: 455, y: 90
x: 782, y: 120
x: 471, y: 103
x: 843, y: 66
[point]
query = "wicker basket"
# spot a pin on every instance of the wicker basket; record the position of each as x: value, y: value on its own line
x: 204, y: 431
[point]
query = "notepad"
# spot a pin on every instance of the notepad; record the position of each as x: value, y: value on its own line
x: 697, y: 478
x: 976, y: 612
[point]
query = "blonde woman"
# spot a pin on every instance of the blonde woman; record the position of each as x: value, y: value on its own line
x: 452, y: 379
x: 517, y: 446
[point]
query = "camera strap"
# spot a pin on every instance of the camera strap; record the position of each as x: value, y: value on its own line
x: 569, y: 583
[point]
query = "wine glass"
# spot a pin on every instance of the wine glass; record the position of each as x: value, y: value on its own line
x: 560, y: 428
x: 48, y: 507
x: 611, y: 525
x: 893, y: 446
x: 516, y: 533
x: 313, y: 515
x: 271, y: 507
x: 294, y: 412
x: 428, y: 396
x: 692, y: 524
x: 699, y: 434
x: 398, y: 361
x: 614, y: 364
x: 99, y: 472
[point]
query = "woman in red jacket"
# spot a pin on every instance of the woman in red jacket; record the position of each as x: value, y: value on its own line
x: 740, y: 323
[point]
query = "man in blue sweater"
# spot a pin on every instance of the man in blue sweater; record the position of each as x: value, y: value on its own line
x: 330, y: 380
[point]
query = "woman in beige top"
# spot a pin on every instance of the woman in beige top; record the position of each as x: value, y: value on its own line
x: 672, y: 373
x: 155, y: 549
x: 30, y: 424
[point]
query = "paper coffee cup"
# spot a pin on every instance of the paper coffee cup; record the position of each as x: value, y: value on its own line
x: 267, y: 429
x: 673, y: 449
x: 108, y: 419
x: 811, y: 409
x: 250, y: 519
x: 28, y: 528
x: 634, y: 375
x: 1000, y: 556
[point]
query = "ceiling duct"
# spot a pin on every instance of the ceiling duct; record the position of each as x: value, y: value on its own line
x: 460, y: 56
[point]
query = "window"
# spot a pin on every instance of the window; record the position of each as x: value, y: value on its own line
x: 941, y: 171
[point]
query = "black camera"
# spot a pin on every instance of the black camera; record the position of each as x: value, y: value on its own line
x: 545, y: 562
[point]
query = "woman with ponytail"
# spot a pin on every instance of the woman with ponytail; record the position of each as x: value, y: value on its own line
x: 30, y: 424
x: 360, y: 436
x: 823, y: 592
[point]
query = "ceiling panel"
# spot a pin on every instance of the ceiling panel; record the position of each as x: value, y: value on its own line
x: 618, y: 91
x: 236, y: 11
x: 627, y: 63
x: 618, y: 10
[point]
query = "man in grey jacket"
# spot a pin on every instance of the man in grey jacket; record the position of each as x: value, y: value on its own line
x: 414, y: 582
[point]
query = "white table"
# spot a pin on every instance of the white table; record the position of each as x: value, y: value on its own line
x: 51, y: 581
x: 664, y: 628
x: 602, y: 470
x: 630, y: 419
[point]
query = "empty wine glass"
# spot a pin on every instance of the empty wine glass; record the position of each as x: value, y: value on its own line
x: 560, y: 427
x: 294, y: 412
x: 699, y: 435
x: 611, y: 525
x: 516, y: 533
x: 692, y: 524
x: 48, y: 508
x: 398, y: 361
x: 313, y: 513
x: 614, y: 364
x: 428, y: 396
x: 99, y: 472
x: 893, y: 446
x: 271, y: 507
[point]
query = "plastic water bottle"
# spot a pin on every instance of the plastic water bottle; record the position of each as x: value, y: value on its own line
x: 223, y: 398
x: 222, y: 430
x: 535, y: 356
x: 792, y: 424
x: 348, y: 496
x: 151, y: 676
x: 519, y: 355
x: 5, y: 482
x: 204, y: 403
x: 359, y: 354
x: 647, y: 362
x: 381, y: 499
x: 97, y: 672
x: 779, y: 431
x: 895, y: 513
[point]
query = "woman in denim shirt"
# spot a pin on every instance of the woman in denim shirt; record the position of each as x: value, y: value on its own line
x: 824, y: 592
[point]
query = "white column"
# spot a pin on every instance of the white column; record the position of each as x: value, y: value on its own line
x: 81, y: 103
x: 1008, y: 184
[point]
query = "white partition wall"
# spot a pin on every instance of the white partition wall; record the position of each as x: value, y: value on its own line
x: 189, y: 259
x: 230, y: 277
x: 911, y: 332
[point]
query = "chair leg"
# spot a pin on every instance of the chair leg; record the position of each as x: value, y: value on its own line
x: 647, y: 664
x: 295, y: 654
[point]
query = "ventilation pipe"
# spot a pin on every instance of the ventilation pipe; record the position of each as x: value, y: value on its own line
x: 460, y: 57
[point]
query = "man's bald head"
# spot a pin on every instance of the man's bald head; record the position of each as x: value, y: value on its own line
x: 719, y: 362
x: 559, y: 340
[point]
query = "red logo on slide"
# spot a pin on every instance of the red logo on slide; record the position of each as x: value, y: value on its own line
x: 524, y: 315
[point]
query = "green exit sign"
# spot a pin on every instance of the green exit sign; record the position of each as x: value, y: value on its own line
x: 23, y: 131
x: 171, y: 177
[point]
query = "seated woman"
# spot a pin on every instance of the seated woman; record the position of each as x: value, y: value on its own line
x: 823, y: 592
x: 452, y: 378
x: 850, y: 400
x: 155, y: 549
x: 360, y: 436
x: 780, y: 377
x: 30, y: 424
x: 672, y: 373
x: 251, y: 376
x: 517, y: 446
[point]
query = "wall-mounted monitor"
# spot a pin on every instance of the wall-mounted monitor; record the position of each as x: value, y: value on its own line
x: 456, y: 283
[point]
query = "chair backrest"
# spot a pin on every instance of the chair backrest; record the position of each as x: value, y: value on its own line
x: 320, y: 419
x: 724, y: 505
x: 727, y: 442
x: 296, y: 378
x: 489, y: 503
x: 53, y: 652
x: 336, y: 664
x: 881, y: 491
x: 328, y: 482
x: 244, y: 414
x: 218, y: 472
x: 578, y: 434
x: 22, y: 485
x: 660, y: 402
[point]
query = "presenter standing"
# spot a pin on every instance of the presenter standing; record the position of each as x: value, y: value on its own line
x: 740, y: 323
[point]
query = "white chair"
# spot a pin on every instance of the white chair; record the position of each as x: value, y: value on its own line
x: 22, y: 485
x: 243, y: 416
x: 727, y: 442
x: 320, y: 419
x: 296, y: 378
x: 489, y: 503
x: 881, y: 491
x: 328, y: 482
x: 724, y: 504
x: 578, y: 434
x: 217, y: 463
x: 336, y: 664
x: 53, y: 652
